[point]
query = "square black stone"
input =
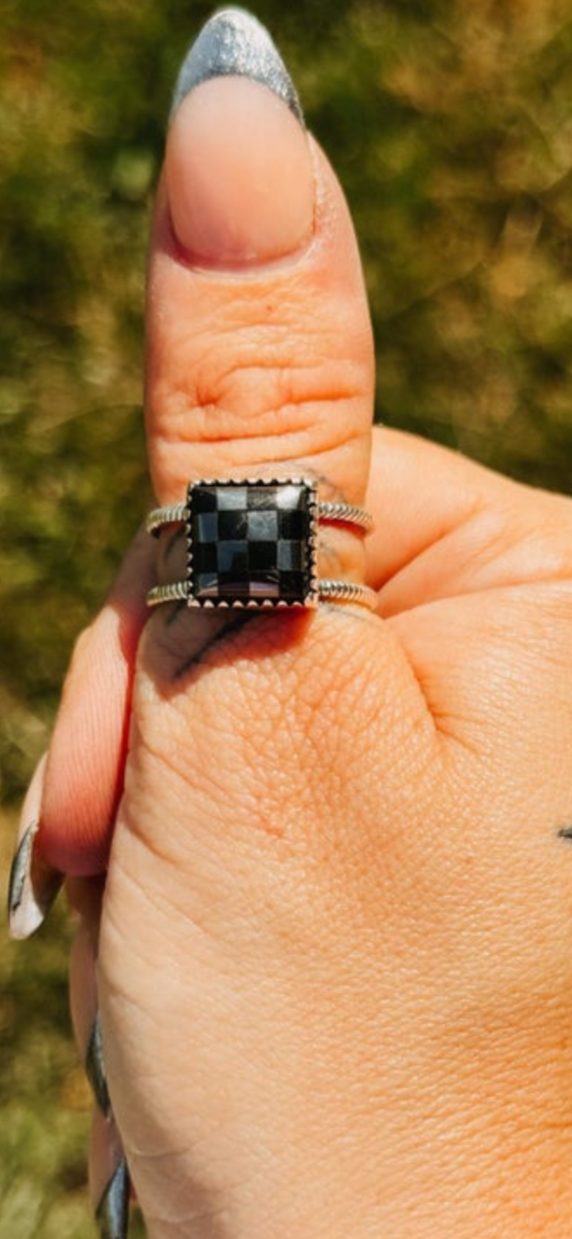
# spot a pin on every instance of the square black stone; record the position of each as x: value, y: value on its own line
x: 232, y: 558
x: 231, y: 525
x: 262, y: 526
x: 251, y: 543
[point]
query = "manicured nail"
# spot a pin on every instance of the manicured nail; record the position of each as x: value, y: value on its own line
x: 234, y: 44
x: 112, y: 1213
x: 33, y: 884
x: 95, y: 1068
x: 238, y: 169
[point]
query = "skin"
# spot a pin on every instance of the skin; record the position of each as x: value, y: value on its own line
x: 335, y: 951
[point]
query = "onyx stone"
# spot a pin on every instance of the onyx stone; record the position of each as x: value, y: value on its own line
x: 251, y: 543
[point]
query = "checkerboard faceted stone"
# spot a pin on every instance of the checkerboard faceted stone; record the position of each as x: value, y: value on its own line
x: 251, y: 543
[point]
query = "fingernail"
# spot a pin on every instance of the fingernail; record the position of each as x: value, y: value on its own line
x: 112, y: 1213
x: 95, y: 1068
x: 239, y: 171
x: 33, y: 884
x: 234, y: 44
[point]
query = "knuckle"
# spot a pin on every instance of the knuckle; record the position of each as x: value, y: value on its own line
x: 243, y: 397
x: 259, y: 392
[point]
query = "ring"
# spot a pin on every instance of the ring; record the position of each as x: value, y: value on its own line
x: 254, y: 544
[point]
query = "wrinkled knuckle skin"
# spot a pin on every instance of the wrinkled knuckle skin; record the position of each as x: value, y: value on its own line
x: 246, y: 411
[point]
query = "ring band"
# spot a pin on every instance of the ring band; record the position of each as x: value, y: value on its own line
x: 328, y: 591
x: 253, y: 544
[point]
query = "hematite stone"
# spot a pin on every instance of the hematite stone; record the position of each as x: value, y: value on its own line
x: 251, y: 543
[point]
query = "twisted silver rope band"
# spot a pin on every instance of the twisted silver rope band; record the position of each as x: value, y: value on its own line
x: 338, y: 513
x: 328, y: 591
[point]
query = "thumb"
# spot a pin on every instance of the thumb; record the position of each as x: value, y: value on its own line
x: 259, y: 357
x: 259, y: 342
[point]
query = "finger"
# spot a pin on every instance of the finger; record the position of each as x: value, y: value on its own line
x: 260, y: 351
x: 259, y: 361
x: 34, y: 884
x: 475, y: 573
x: 108, y: 1180
x: 84, y: 772
x: 496, y: 671
x: 108, y: 1174
x: 445, y: 526
x: 85, y: 1014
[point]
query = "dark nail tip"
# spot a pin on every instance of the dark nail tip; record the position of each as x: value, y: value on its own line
x: 19, y: 869
x: 95, y: 1068
x: 233, y: 43
x: 112, y: 1213
x: 32, y: 888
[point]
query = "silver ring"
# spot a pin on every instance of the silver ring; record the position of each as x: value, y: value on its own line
x: 253, y: 544
x: 328, y: 591
x: 335, y: 513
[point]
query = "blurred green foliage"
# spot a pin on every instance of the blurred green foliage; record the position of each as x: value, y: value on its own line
x: 452, y: 132
x: 451, y: 128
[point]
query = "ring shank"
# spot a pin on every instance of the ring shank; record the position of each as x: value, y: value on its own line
x: 328, y: 591
x: 331, y: 513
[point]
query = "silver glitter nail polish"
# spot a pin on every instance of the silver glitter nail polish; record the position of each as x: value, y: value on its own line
x: 233, y: 43
x: 112, y: 1213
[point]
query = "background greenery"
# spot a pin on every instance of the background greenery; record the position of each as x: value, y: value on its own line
x: 451, y: 127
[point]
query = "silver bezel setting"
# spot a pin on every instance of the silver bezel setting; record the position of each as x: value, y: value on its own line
x: 312, y: 593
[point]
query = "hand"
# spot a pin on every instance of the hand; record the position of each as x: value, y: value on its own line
x: 335, y: 955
